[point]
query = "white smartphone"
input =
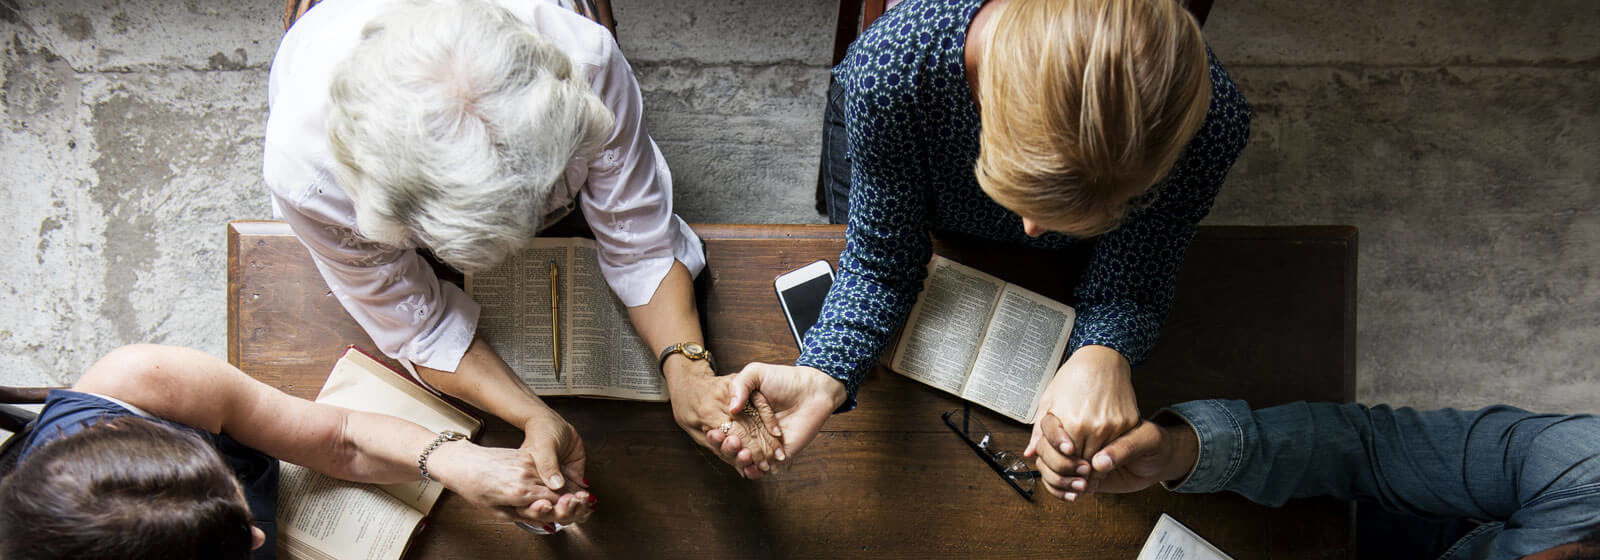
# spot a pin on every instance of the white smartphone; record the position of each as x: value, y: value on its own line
x: 801, y: 292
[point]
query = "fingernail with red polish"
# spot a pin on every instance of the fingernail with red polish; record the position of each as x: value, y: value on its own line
x: 585, y: 482
x: 593, y: 500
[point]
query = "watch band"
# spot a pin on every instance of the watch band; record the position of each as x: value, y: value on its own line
x: 690, y: 350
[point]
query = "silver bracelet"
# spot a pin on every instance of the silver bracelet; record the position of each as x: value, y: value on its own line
x: 444, y: 436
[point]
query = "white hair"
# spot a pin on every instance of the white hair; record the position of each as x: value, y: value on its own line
x: 452, y: 121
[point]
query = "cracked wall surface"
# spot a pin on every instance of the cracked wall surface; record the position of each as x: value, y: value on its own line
x: 1463, y: 138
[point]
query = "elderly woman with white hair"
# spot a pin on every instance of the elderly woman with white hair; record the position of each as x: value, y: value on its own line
x: 463, y: 128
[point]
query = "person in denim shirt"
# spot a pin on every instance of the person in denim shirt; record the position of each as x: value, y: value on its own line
x: 1530, y: 481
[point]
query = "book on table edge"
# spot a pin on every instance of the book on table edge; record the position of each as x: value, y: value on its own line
x: 322, y: 518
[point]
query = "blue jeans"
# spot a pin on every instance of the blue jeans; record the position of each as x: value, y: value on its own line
x: 835, y: 181
x: 1531, y: 480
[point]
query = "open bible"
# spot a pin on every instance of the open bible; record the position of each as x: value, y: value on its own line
x: 324, y: 518
x: 601, y: 354
x: 983, y: 339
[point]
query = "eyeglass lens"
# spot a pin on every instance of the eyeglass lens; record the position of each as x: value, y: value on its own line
x: 1015, y: 466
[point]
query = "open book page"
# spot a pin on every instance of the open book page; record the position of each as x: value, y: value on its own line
x: 608, y: 358
x: 1170, y: 540
x: 515, y: 313
x: 601, y: 354
x: 321, y: 518
x: 1020, y: 352
x: 360, y: 383
x: 941, y: 338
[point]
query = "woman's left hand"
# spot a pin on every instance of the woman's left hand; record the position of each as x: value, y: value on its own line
x: 508, y: 483
x: 1092, y: 395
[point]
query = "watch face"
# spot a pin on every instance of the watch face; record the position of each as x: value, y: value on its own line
x: 693, y: 350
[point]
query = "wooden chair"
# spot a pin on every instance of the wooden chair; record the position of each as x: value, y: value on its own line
x: 17, y: 420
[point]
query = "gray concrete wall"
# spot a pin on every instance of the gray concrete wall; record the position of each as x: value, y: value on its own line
x: 1463, y: 138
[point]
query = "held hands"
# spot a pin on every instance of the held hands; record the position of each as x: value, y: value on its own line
x: 794, y: 399
x: 1151, y: 453
x: 512, y: 483
x: 1088, y: 404
x: 698, y: 398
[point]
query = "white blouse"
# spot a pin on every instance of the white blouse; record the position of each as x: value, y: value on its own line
x: 625, y: 191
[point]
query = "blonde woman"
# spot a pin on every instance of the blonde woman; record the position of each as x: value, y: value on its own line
x: 1099, y: 125
x: 459, y: 129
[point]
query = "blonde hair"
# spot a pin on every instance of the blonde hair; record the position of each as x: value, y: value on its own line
x: 1086, y: 104
x: 452, y: 121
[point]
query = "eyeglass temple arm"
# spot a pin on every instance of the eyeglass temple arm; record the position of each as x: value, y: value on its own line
x: 982, y: 454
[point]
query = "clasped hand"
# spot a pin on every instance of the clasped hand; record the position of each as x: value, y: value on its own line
x: 792, y: 402
x: 751, y: 443
x: 1088, y: 404
x: 541, y: 482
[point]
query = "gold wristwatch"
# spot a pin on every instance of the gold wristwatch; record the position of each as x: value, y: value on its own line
x: 690, y: 350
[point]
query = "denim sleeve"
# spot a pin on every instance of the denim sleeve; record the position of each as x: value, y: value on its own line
x: 1537, y: 475
x: 1127, y: 288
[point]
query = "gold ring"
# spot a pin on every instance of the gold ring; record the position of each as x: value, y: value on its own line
x: 750, y: 410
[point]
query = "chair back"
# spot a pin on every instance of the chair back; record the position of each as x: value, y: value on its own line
x: 19, y: 421
x: 597, y: 10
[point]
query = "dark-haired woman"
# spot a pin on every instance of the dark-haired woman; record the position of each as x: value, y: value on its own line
x: 150, y: 425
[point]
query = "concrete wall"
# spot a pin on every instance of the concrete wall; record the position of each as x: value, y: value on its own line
x: 1463, y: 138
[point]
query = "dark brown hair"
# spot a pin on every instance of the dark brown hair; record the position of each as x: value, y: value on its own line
x: 125, y: 488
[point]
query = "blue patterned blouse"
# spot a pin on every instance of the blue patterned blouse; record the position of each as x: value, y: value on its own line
x: 913, y: 140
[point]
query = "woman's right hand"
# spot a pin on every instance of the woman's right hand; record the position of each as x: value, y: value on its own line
x: 508, y: 482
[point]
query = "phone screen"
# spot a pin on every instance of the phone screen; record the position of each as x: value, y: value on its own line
x: 804, y: 303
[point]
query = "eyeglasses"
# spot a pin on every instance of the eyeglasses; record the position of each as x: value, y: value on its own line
x: 1011, y: 467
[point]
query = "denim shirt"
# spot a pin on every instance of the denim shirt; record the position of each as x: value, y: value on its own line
x: 1532, y: 480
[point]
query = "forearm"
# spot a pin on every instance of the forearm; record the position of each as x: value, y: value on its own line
x: 1128, y: 287
x: 1127, y: 327
x: 484, y: 381
x: 670, y: 318
x: 869, y: 302
x: 374, y: 448
x: 199, y: 390
x: 1406, y: 460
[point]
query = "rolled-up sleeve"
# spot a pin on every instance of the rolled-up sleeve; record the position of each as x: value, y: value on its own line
x: 628, y: 198
x: 1128, y: 286
x: 392, y: 292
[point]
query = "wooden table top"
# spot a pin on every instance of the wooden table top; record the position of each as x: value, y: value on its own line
x: 1266, y: 314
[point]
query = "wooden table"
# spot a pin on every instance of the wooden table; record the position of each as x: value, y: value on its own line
x: 1262, y: 313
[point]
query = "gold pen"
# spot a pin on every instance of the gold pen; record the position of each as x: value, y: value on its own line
x: 555, y: 316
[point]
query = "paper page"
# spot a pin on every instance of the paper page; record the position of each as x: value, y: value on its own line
x: 608, y: 357
x: 339, y: 519
x: 1020, y: 352
x: 361, y: 383
x: 515, y: 313
x: 941, y: 338
x: 1170, y: 540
